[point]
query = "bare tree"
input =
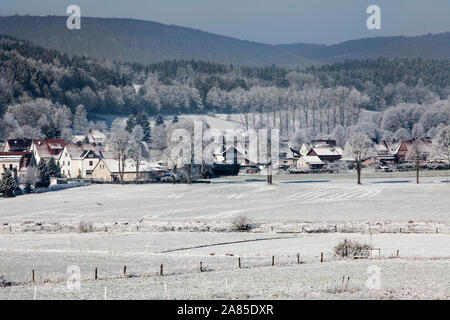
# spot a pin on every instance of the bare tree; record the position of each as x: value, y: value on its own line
x: 359, y: 148
x: 416, y: 153
x: 137, y: 149
x: 119, y: 143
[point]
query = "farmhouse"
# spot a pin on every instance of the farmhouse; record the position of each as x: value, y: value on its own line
x: 78, y: 161
x: 326, y: 153
x: 309, y: 163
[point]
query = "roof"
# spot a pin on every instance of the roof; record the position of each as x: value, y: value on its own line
x: 113, y: 166
x: 49, y: 148
x: 25, y: 159
x: 328, y: 151
x: 96, y: 136
x: 312, y: 160
x: 19, y: 145
x: 78, y: 152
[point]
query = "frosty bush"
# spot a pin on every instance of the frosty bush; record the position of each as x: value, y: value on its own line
x: 85, y: 227
x: 352, y: 249
x: 241, y: 223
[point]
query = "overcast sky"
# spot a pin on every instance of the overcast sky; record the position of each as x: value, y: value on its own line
x: 269, y: 21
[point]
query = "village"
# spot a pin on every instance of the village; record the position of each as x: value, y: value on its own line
x: 89, y: 158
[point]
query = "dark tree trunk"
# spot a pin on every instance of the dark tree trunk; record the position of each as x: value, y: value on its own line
x: 358, y: 169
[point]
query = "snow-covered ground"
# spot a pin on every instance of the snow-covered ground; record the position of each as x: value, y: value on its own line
x: 330, y: 201
x: 399, y: 279
x: 179, y: 226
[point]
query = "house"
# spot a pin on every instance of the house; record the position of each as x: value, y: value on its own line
x: 309, y: 163
x: 78, y: 160
x: 286, y: 160
x: 304, y: 149
x: 107, y: 170
x: 17, y: 145
x: 17, y: 162
x: 96, y: 137
x: 326, y: 153
x: 386, y: 152
x: 233, y: 155
x: 47, y: 149
x: 405, y: 145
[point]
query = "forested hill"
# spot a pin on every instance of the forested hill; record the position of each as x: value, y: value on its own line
x: 144, y: 41
x: 29, y: 72
x: 149, y: 42
x: 430, y: 46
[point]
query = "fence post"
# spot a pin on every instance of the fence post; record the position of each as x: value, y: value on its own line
x: 95, y: 274
x: 239, y: 261
x: 124, y: 270
x: 298, y: 258
x: 273, y: 261
x: 161, y: 270
x: 321, y: 257
x: 201, y: 266
x: 398, y: 253
x: 32, y: 272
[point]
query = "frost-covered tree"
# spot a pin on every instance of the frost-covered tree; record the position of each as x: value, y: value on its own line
x: 7, y: 184
x: 358, y: 148
x: 159, y: 121
x: 402, y: 134
x: 53, y: 168
x: 30, y: 178
x: 80, y: 121
x: 44, y: 176
x: 441, y: 144
x: 416, y: 153
x: 137, y: 150
x: 119, y: 144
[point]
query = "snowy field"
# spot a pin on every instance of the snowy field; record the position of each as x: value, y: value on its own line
x: 179, y: 226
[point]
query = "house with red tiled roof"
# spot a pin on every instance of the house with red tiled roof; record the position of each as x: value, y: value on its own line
x: 47, y: 149
x: 16, y: 162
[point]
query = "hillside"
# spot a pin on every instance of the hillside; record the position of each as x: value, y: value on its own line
x: 144, y: 42
x: 149, y: 42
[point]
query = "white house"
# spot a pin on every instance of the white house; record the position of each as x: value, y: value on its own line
x: 96, y: 136
x: 78, y: 161
x: 47, y: 149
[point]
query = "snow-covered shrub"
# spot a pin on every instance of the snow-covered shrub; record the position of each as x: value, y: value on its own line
x: 352, y: 249
x: 241, y: 223
x: 85, y: 227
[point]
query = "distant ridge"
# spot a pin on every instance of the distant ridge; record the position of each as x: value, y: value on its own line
x: 148, y: 42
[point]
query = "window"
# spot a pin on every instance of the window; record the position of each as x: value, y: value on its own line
x: 68, y: 163
x: 3, y: 166
x: 91, y: 163
x: 10, y: 166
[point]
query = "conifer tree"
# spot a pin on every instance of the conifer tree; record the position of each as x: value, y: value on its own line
x: 7, y: 184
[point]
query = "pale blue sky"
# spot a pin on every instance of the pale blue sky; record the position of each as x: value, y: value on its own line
x: 269, y: 21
